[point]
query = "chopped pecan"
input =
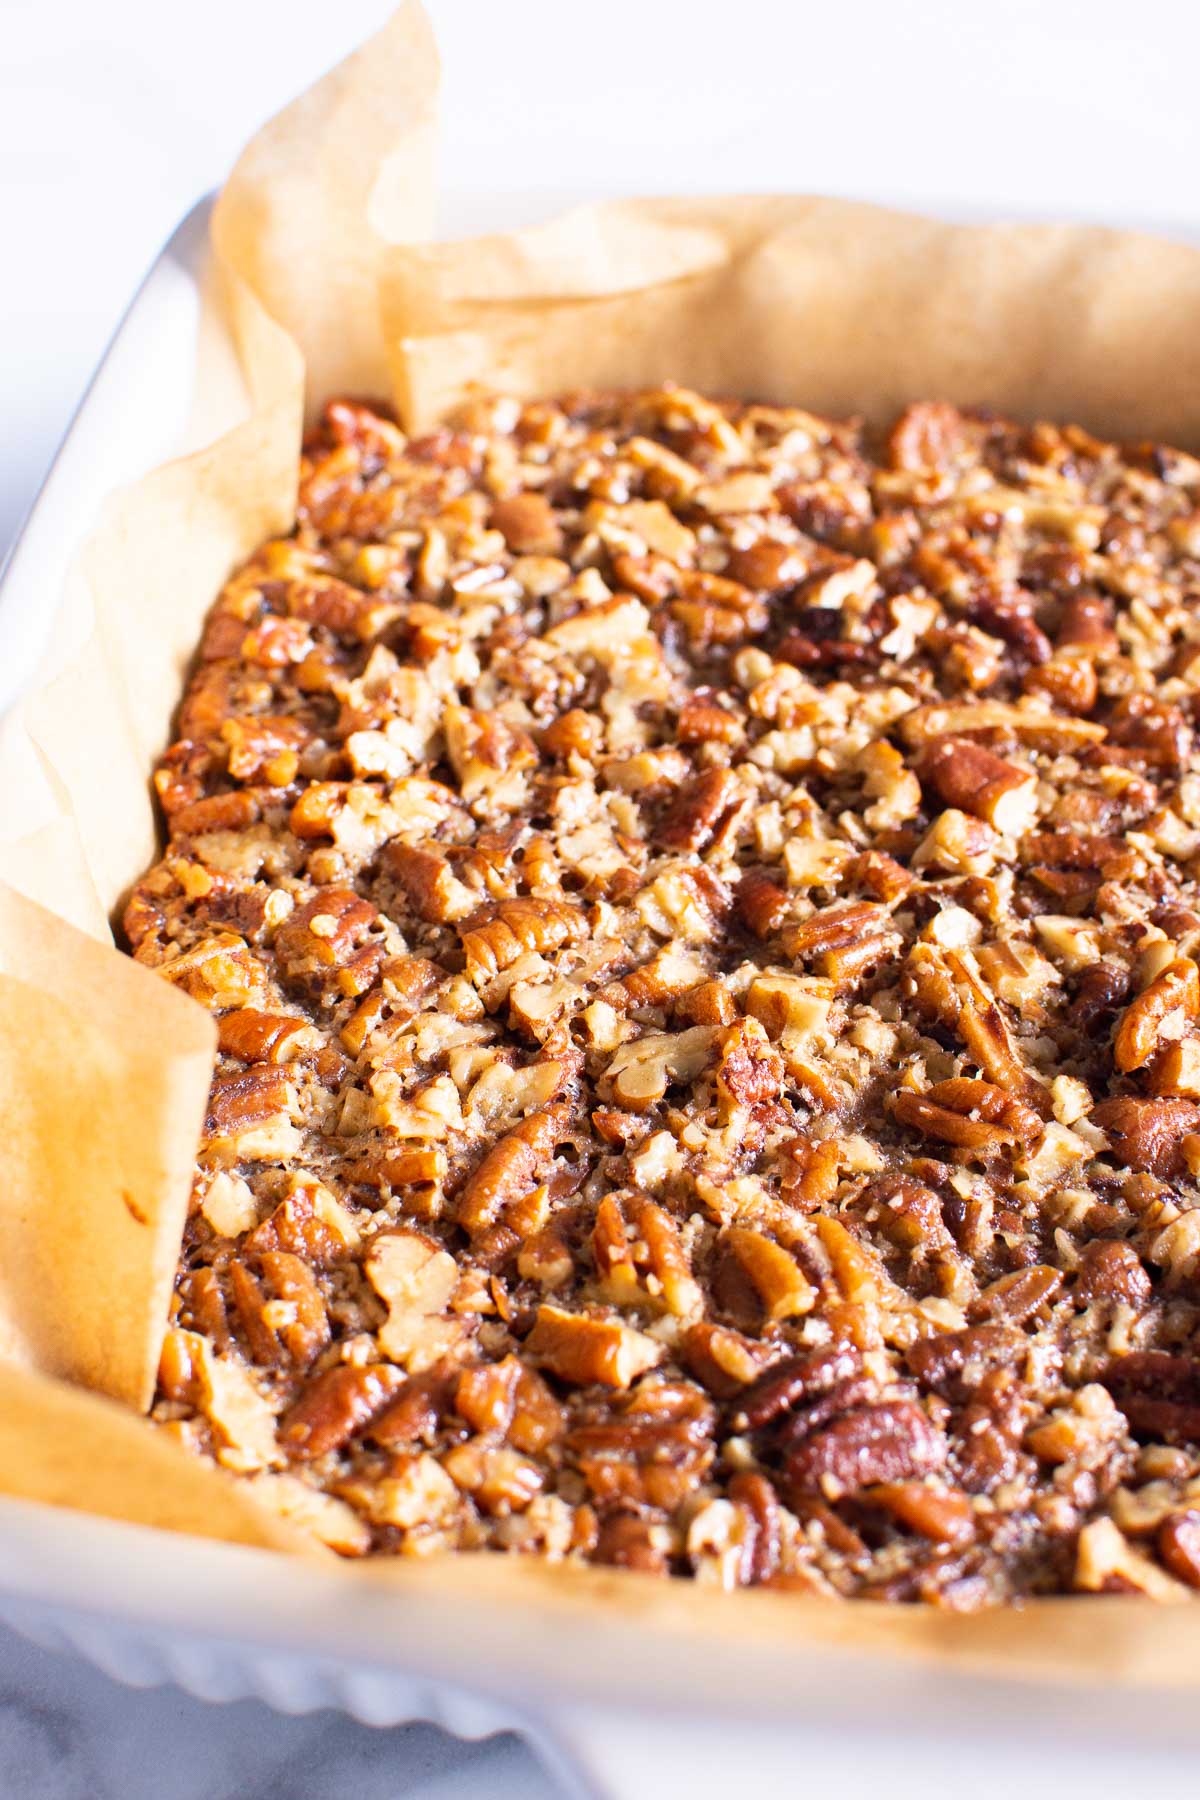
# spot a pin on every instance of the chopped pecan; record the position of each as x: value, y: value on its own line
x: 259, y: 1037
x: 427, y: 881
x: 583, y: 1350
x: 954, y: 1361
x: 511, y: 1168
x: 1112, y: 1271
x: 760, y: 902
x: 696, y: 812
x: 1178, y: 1546
x: 965, y: 775
x: 336, y: 1406
x: 722, y: 1360
x: 415, y: 1281
x: 493, y: 942
x: 528, y: 525
x: 943, y: 1515
x: 927, y: 437
x: 973, y: 1114
x: 1175, y: 990
x: 892, y: 1442
x: 787, y: 1383
x: 781, y: 1284
x: 325, y: 939
x: 838, y: 927
x: 247, y: 1098
x: 754, y: 1495
x: 1159, y: 1394
x: 705, y: 721
x: 1018, y: 1296
x: 1148, y: 1134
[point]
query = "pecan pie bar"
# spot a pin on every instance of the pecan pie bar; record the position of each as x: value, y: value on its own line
x: 700, y: 904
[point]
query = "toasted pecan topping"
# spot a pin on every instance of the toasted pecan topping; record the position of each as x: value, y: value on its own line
x: 700, y: 908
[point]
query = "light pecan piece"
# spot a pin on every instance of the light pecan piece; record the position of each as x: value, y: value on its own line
x: 1040, y: 729
x: 528, y: 524
x: 415, y: 1280
x: 1106, y: 1561
x: 1144, y: 1023
x: 973, y: 1114
x: 958, y: 843
x: 1177, y: 1070
x: 642, y: 1070
x: 582, y: 1350
x: 497, y: 1478
x: 220, y: 972
x: 489, y: 757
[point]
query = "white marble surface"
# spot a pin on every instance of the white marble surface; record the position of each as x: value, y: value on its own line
x: 69, y: 1733
x: 113, y: 119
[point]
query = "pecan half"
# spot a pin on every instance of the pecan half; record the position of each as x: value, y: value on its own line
x: 891, y: 1442
x: 973, y: 1114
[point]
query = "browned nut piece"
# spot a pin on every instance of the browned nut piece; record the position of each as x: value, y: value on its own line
x: 694, y: 815
x: 944, y: 1515
x: 965, y: 775
x: 335, y: 1407
x: 778, y: 1279
x: 1179, y: 1546
x: 584, y: 1350
x: 838, y: 928
x: 506, y: 931
x: 528, y: 525
x: 511, y: 1168
x: 888, y: 1443
x: 266, y: 1037
x: 1176, y: 989
x: 973, y: 1114
x: 1148, y: 1134
x: 1177, y: 1070
x: 1018, y: 1296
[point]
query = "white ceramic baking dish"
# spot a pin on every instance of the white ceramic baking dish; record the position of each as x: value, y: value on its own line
x: 618, y: 1708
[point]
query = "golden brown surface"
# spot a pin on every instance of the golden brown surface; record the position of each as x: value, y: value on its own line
x: 699, y: 909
